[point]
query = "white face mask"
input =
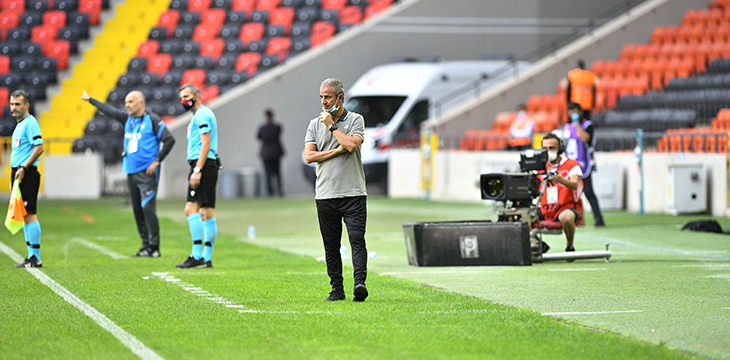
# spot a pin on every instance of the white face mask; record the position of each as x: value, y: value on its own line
x: 332, y: 110
x: 552, y: 155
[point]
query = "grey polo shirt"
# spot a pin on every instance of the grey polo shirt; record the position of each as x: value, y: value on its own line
x: 343, y: 175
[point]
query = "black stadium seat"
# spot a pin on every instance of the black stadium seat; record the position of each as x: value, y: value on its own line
x: 149, y: 80
x: 137, y: 65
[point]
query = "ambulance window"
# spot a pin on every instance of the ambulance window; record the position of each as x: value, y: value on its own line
x: 377, y: 110
x: 417, y: 115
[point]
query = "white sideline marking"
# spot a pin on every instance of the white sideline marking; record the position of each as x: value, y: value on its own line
x: 131, y: 342
x: 474, y: 311
x: 111, y: 253
x: 285, y: 312
x: 704, y: 266
x: 654, y: 248
x: 593, y: 269
x: 593, y: 312
x: 195, y: 290
x: 433, y: 272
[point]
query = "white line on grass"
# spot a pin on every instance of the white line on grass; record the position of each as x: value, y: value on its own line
x: 111, y: 253
x: 703, y: 266
x: 196, y: 290
x: 655, y: 248
x: 590, y: 269
x: 593, y: 312
x: 434, y: 272
x: 131, y: 342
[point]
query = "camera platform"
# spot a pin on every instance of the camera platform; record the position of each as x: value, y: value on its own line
x: 575, y: 255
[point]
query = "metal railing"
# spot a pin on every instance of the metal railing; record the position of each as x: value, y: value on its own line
x: 542, y: 50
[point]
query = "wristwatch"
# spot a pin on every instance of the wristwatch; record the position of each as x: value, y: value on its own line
x: 196, y: 170
x: 333, y: 127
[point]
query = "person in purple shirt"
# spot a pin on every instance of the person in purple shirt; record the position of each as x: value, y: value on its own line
x: 579, y: 144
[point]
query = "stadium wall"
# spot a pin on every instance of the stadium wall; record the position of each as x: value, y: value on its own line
x: 451, y: 30
x: 456, y: 176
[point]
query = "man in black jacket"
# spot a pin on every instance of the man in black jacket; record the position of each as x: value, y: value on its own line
x: 143, y: 133
x: 271, y: 152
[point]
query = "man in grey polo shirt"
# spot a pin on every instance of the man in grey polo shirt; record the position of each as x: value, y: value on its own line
x: 333, y: 141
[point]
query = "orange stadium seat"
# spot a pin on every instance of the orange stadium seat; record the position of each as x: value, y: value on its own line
x: 279, y: 46
x: 43, y: 34
x: 215, y: 17
x: 59, y: 50
x: 13, y: 6
x: 148, y: 48
x: 251, y: 31
x: 722, y: 143
x: 375, y: 7
x: 334, y: 4
x: 169, y: 19
x: 159, y: 64
x: 92, y: 8
x: 249, y: 62
x: 243, y: 5
x: 193, y: 76
x: 322, y: 31
x: 283, y: 16
x: 711, y: 143
x: 4, y: 64
x: 209, y: 93
x: 54, y: 18
x: 351, y: 15
x: 198, y: 5
x: 268, y: 5
x: 213, y: 48
x: 205, y: 32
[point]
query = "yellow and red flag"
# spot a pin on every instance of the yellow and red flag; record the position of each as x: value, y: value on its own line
x: 16, y: 210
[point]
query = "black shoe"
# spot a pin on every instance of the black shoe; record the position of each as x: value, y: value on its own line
x: 21, y: 264
x: 209, y: 264
x: 336, y: 295
x: 191, y: 263
x: 147, y: 252
x: 31, y: 262
x: 361, y: 293
x: 600, y: 223
x: 569, y: 249
x: 545, y: 247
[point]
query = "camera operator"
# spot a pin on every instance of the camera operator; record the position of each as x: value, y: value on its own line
x: 560, y: 200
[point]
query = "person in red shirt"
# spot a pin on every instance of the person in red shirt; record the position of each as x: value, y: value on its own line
x: 560, y: 200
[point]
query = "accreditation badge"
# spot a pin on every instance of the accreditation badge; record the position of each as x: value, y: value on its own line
x: 552, y: 195
x: 132, y: 145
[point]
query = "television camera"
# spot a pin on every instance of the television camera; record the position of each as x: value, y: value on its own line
x: 520, y: 197
x: 519, y: 193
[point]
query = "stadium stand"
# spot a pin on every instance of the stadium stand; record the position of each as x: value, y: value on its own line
x: 673, y: 88
x: 219, y: 44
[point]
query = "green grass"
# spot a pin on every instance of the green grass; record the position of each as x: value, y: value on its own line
x: 474, y: 312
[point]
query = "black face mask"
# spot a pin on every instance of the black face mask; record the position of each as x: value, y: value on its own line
x: 187, y: 104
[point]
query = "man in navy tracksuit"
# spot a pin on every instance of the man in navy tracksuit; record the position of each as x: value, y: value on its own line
x: 143, y: 132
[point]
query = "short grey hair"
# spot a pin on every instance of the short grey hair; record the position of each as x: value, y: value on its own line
x: 193, y: 89
x: 336, y: 84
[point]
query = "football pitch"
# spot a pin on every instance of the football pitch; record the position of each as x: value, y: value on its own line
x: 665, y: 293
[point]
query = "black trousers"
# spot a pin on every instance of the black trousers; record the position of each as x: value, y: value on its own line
x: 271, y: 168
x: 143, y: 194
x: 331, y: 214
x: 592, y: 199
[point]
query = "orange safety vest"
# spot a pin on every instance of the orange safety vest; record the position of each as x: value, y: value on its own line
x: 581, y: 87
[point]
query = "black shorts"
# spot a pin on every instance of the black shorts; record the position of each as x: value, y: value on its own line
x: 205, y: 193
x: 29, y: 188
